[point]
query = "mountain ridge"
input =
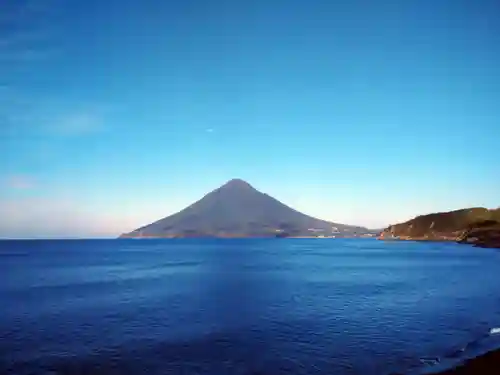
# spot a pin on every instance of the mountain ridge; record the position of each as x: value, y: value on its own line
x: 237, y: 209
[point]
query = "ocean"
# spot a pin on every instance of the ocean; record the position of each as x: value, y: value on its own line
x: 244, y: 306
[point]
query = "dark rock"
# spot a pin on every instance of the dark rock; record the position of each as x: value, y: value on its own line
x: 488, y: 364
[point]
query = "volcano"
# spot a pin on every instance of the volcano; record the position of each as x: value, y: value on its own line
x: 236, y: 209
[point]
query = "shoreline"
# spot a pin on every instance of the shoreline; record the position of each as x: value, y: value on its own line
x: 485, y: 364
x: 234, y: 237
x: 485, y: 245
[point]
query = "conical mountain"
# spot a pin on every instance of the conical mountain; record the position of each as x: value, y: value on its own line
x: 236, y: 209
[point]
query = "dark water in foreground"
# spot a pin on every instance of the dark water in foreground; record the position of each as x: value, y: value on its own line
x: 249, y: 307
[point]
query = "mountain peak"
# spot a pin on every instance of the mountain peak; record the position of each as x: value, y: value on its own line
x: 237, y: 183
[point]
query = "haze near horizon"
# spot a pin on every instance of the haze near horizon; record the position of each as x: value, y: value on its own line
x: 116, y: 114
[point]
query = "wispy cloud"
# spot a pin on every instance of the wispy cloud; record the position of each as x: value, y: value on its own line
x: 77, y: 123
x: 25, y: 55
x: 17, y: 39
x: 26, y: 36
x: 30, y: 35
x: 20, y: 182
x: 210, y: 130
x: 23, y: 10
x: 22, y: 116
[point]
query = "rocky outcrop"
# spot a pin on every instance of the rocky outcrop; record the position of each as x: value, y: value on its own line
x: 479, y: 226
x: 482, y: 234
x: 487, y: 364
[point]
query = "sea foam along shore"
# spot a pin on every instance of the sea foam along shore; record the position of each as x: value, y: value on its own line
x: 473, y: 362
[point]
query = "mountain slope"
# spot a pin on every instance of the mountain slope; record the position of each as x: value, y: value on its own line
x: 236, y: 209
x: 478, y: 225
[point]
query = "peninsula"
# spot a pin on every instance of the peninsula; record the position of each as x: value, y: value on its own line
x: 478, y: 226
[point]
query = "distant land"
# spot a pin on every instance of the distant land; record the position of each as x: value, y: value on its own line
x: 236, y: 209
x: 478, y: 225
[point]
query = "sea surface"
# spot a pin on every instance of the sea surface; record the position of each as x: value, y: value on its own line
x: 244, y: 306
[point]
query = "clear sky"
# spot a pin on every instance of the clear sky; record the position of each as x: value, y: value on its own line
x: 116, y: 113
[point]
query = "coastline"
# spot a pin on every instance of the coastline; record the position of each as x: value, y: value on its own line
x: 485, y: 245
x: 486, y: 364
x: 477, y: 226
x: 146, y: 237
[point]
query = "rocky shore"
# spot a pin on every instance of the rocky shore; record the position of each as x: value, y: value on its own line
x: 477, y: 226
x: 488, y: 364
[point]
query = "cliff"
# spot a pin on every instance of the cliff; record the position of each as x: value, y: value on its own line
x: 479, y: 226
x: 237, y: 209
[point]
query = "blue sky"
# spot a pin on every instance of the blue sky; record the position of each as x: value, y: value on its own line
x: 114, y: 114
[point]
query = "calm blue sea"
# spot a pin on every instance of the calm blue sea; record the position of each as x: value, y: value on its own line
x: 244, y: 306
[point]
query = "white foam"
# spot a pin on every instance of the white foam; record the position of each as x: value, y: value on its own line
x: 494, y: 331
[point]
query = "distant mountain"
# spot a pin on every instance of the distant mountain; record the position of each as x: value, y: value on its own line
x: 478, y: 225
x: 236, y: 209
